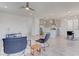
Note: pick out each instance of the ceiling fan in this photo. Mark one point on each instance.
(27, 7)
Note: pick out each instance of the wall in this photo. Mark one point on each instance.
(10, 23)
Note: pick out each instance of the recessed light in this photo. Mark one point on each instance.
(5, 6)
(69, 11)
(75, 16)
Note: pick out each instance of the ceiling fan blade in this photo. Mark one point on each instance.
(22, 7)
(31, 9)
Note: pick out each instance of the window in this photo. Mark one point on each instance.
(73, 24)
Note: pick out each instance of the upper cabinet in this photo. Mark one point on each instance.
(49, 23)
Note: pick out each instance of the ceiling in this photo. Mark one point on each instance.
(42, 9)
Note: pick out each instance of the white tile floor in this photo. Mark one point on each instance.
(63, 47)
(57, 47)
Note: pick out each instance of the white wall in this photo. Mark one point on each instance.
(10, 23)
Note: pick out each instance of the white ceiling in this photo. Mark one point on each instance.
(42, 9)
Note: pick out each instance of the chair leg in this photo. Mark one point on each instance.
(44, 48)
(24, 53)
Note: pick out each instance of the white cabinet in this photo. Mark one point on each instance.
(53, 33)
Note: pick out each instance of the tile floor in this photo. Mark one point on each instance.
(63, 47)
(57, 47)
